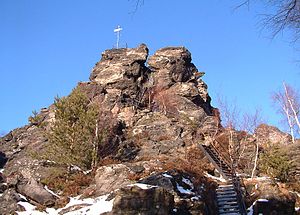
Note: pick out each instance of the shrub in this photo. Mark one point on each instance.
(276, 163)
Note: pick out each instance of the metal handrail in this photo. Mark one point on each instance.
(237, 185)
(222, 156)
(235, 178)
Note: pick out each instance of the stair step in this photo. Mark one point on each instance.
(228, 202)
(226, 188)
(233, 210)
(231, 204)
(229, 213)
(226, 199)
(229, 207)
(226, 195)
(226, 185)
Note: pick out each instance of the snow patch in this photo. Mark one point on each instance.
(97, 206)
(250, 209)
(50, 191)
(22, 197)
(167, 175)
(29, 209)
(215, 178)
(196, 198)
(188, 182)
(262, 200)
(87, 172)
(182, 190)
(93, 206)
(75, 168)
(142, 186)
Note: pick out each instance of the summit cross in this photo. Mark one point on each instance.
(118, 31)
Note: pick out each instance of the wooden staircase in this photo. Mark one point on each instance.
(229, 196)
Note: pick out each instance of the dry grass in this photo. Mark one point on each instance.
(68, 184)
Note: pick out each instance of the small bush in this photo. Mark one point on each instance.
(276, 163)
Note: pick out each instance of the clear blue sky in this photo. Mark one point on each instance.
(47, 46)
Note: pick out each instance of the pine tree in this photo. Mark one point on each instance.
(74, 134)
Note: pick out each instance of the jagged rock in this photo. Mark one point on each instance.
(171, 64)
(122, 69)
(135, 200)
(267, 134)
(9, 202)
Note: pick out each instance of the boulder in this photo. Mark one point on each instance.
(111, 177)
(271, 197)
(36, 192)
(133, 200)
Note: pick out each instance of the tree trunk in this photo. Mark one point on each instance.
(255, 160)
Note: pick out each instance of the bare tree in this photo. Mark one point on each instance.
(234, 119)
(285, 17)
(287, 101)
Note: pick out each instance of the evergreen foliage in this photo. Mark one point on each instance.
(36, 119)
(276, 163)
(74, 134)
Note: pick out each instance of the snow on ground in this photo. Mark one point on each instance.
(188, 182)
(92, 206)
(250, 209)
(262, 200)
(142, 186)
(182, 190)
(196, 198)
(50, 191)
(167, 175)
(22, 197)
(215, 178)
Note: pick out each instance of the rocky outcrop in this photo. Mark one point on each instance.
(270, 135)
(156, 111)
